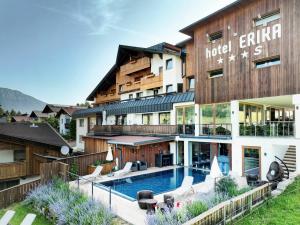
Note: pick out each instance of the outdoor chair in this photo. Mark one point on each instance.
(124, 171)
(29, 219)
(143, 195)
(94, 175)
(143, 165)
(7, 217)
(135, 166)
(185, 189)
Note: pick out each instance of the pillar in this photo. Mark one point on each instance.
(235, 129)
(186, 153)
(173, 151)
(296, 102)
(197, 119)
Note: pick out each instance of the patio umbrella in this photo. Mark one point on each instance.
(215, 171)
(109, 156)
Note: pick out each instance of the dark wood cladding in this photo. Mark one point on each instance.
(242, 80)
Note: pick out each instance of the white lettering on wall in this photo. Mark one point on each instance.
(257, 50)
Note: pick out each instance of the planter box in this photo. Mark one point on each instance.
(107, 168)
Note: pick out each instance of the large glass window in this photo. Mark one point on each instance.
(191, 83)
(121, 119)
(164, 118)
(185, 119)
(223, 114)
(200, 155)
(250, 114)
(179, 116)
(251, 159)
(215, 114)
(147, 119)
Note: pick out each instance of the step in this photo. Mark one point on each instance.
(289, 160)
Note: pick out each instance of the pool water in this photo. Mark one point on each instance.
(158, 182)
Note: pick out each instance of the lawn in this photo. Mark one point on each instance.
(285, 209)
(21, 212)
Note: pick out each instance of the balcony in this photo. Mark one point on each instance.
(136, 130)
(206, 130)
(131, 86)
(135, 65)
(269, 129)
(12, 170)
(151, 81)
(104, 98)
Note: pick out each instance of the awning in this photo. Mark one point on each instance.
(137, 140)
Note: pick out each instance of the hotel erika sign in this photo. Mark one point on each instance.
(262, 35)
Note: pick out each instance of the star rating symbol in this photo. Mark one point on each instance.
(244, 54)
(231, 57)
(220, 60)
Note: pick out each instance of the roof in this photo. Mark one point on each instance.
(124, 52)
(190, 28)
(41, 133)
(38, 114)
(50, 108)
(156, 104)
(134, 140)
(69, 110)
(20, 119)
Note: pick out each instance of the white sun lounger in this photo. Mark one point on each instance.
(7, 217)
(124, 171)
(29, 219)
(185, 189)
(94, 175)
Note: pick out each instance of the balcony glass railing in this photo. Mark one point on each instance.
(269, 129)
(215, 129)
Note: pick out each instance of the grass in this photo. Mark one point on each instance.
(21, 211)
(284, 209)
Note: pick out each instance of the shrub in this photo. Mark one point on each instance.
(173, 217)
(227, 186)
(64, 206)
(196, 208)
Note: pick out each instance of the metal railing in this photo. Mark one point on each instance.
(287, 169)
(268, 129)
(222, 129)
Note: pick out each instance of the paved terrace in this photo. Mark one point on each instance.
(123, 208)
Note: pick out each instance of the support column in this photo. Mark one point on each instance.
(235, 129)
(173, 151)
(296, 102)
(186, 153)
(197, 119)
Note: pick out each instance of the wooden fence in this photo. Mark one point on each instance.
(231, 209)
(53, 169)
(83, 161)
(16, 193)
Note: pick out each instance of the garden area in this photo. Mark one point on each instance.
(283, 209)
(226, 188)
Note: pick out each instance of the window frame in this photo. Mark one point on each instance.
(212, 37)
(81, 122)
(217, 74)
(267, 62)
(267, 18)
(168, 86)
(169, 118)
(167, 61)
(189, 83)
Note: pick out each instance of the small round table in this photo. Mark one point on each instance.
(151, 203)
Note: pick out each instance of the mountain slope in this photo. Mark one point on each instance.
(18, 101)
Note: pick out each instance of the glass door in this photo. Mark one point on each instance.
(251, 161)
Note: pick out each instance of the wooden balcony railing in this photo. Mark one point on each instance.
(135, 65)
(12, 170)
(107, 98)
(151, 81)
(136, 129)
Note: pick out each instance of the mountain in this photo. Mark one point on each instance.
(18, 101)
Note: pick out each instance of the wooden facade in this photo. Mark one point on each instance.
(95, 144)
(144, 153)
(241, 79)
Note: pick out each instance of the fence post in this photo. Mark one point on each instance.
(224, 215)
(78, 182)
(250, 202)
(231, 211)
(92, 190)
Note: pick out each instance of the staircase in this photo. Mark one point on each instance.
(289, 160)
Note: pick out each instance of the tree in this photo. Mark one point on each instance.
(2, 113)
(73, 129)
(86, 104)
(53, 122)
(12, 113)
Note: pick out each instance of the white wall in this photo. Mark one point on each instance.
(134, 119)
(111, 120)
(81, 131)
(62, 122)
(6, 156)
(174, 75)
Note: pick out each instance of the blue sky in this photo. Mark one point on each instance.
(58, 50)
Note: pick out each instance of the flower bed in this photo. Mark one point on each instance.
(65, 206)
(226, 188)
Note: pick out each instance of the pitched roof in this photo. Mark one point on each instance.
(156, 104)
(190, 28)
(41, 133)
(38, 114)
(20, 119)
(69, 110)
(53, 108)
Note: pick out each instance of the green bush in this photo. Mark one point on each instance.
(196, 208)
(227, 186)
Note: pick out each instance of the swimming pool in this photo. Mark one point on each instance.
(158, 182)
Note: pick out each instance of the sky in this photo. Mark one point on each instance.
(58, 50)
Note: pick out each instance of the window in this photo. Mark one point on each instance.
(19, 155)
(139, 95)
(169, 88)
(121, 88)
(267, 63)
(68, 121)
(137, 79)
(216, 73)
(160, 70)
(147, 119)
(121, 119)
(265, 19)
(130, 96)
(169, 64)
(215, 36)
(191, 83)
(155, 92)
(180, 88)
(81, 123)
(164, 118)
(250, 114)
